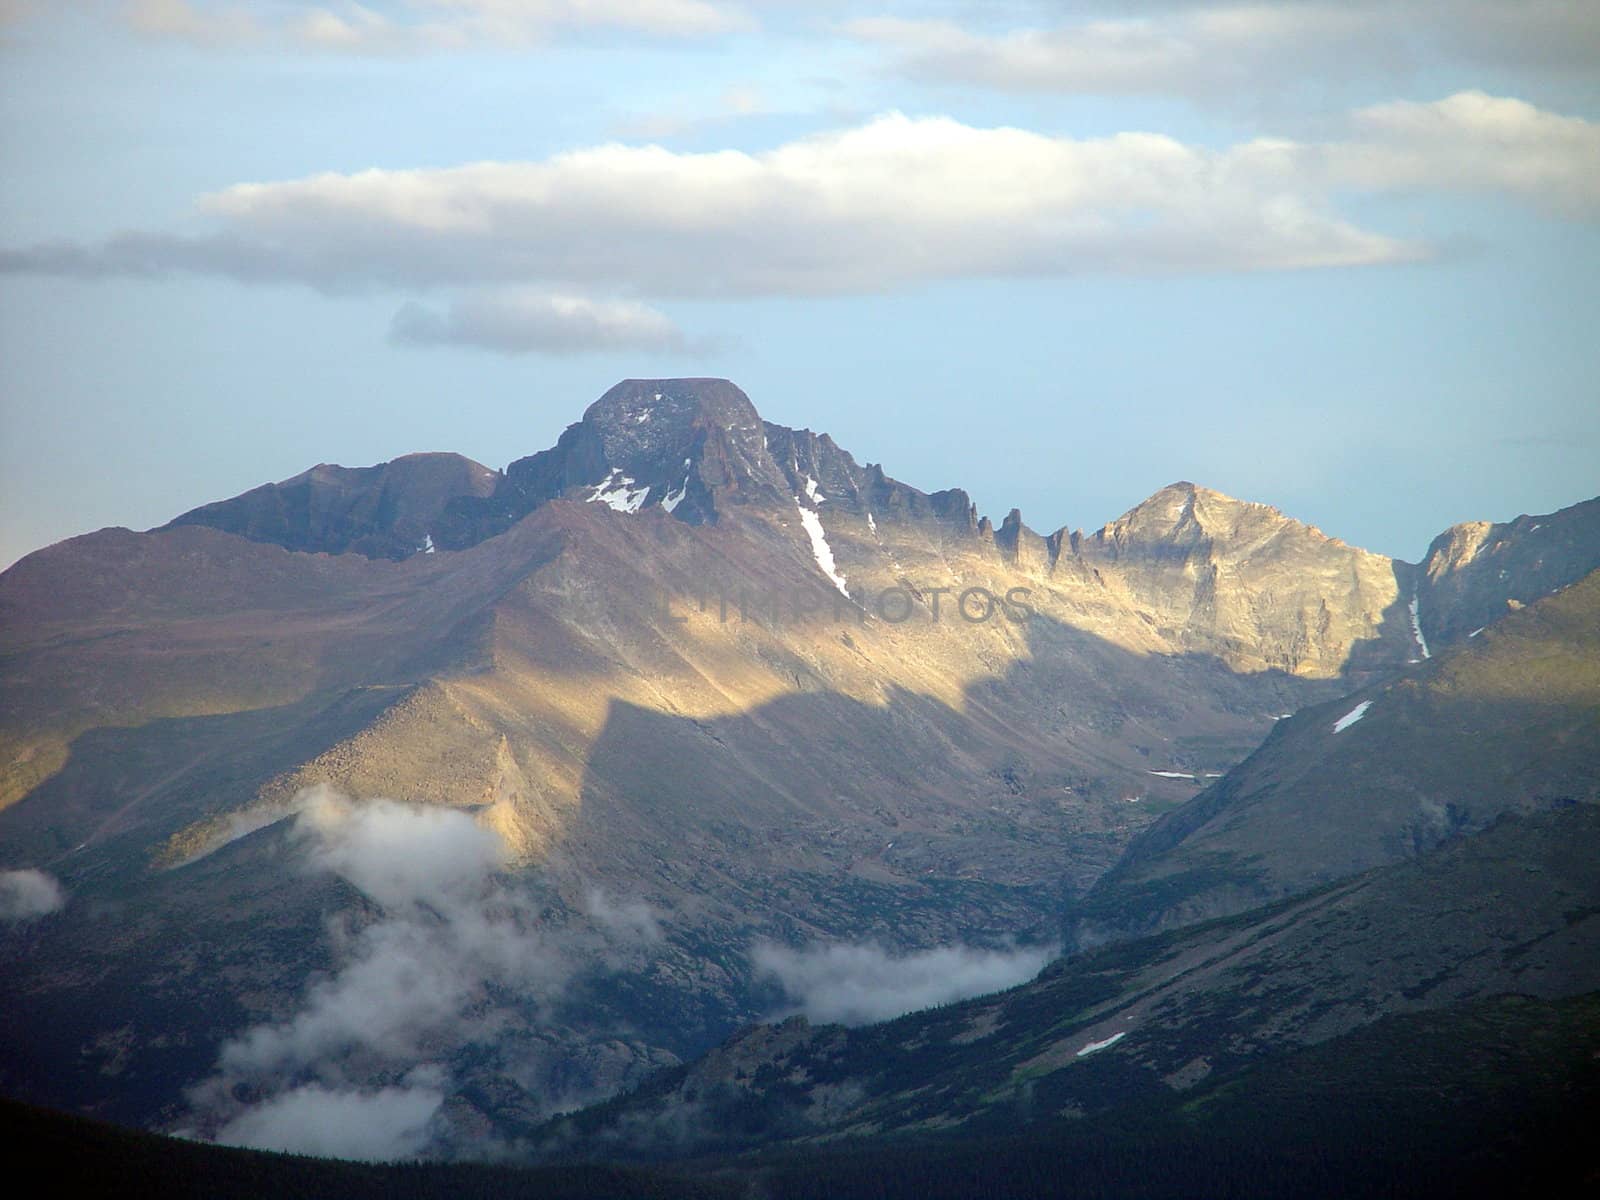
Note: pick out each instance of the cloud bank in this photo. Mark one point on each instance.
(552, 256)
(895, 202)
(856, 984)
(27, 894)
(898, 201)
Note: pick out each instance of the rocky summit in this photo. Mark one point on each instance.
(493, 792)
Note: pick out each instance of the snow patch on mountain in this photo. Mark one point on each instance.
(1351, 717)
(1110, 1041)
(820, 550)
(620, 492)
(1416, 627)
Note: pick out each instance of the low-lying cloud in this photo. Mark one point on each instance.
(377, 1126)
(28, 893)
(455, 958)
(858, 983)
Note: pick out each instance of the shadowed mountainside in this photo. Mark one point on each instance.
(1487, 1098)
(1515, 908)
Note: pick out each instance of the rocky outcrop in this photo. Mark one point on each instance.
(1476, 572)
(1241, 581)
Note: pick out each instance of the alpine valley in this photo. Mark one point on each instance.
(690, 795)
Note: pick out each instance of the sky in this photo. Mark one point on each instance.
(1337, 257)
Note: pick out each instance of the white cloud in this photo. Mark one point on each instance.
(554, 255)
(377, 1126)
(630, 919)
(454, 957)
(420, 25)
(1224, 50)
(855, 984)
(893, 203)
(896, 201)
(448, 929)
(1474, 142)
(399, 854)
(520, 321)
(27, 894)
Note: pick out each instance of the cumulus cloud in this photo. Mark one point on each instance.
(27, 894)
(855, 984)
(420, 25)
(518, 321)
(454, 958)
(1223, 50)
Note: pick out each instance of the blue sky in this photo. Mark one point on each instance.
(1339, 258)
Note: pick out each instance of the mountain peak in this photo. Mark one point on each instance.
(689, 438)
(683, 445)
(634, 403)
(1181, 511)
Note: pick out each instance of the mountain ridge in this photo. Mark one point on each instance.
(1508, 720)
(721, 723)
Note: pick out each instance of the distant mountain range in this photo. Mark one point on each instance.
(712, 693)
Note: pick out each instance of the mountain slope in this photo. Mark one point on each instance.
(704, 679)
(386, 511)
(1509, 720)
(1487, 1098)
(1242, 580)
(1474, 573)
(1515, 908)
